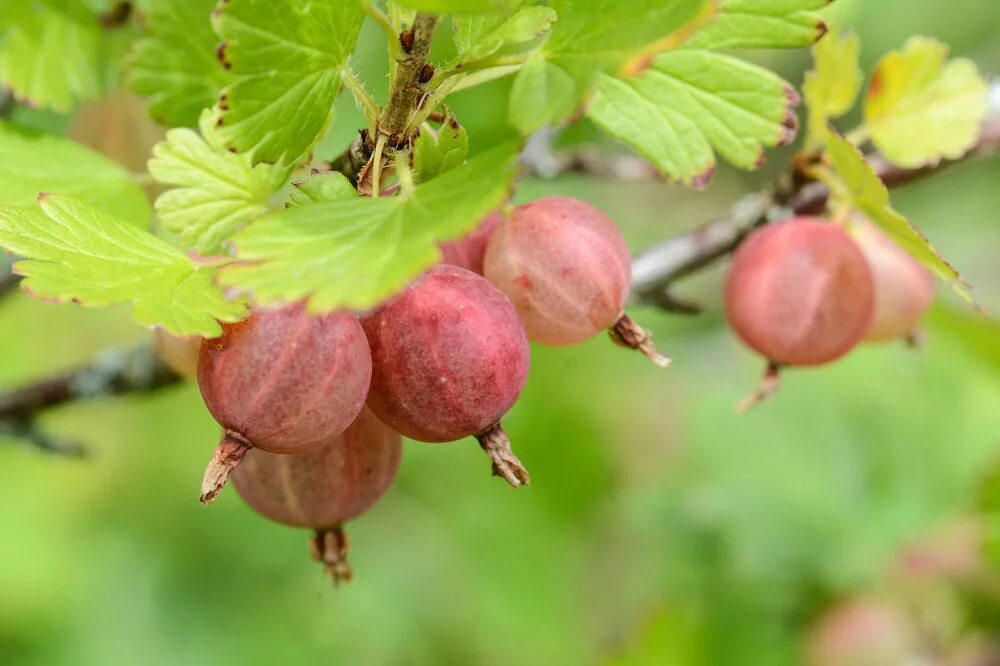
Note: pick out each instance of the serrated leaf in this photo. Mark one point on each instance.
(176, 66)
(870, 195)
(33, 162)
(757, 24)
(595, 37)
(480, 35)
(355, 253)
(831, 88)
(73, 252)
(921, 107)
(319, 187)
(434, 155)
(52, 55)
(217, 192)
(691, 101)
(451, 6)
(288, 57)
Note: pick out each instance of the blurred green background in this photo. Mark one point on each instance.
(660, 528)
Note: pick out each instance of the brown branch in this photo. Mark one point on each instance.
(658, 267)
(408, 86)
(112, 373)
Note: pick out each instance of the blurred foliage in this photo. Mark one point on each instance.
(661, 528)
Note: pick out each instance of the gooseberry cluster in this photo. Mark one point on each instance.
(313, 407)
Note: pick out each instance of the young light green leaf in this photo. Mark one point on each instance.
(355, 253)
(831, 88)
(921, 107)
(595, 37)
(480, 35)
(73, 252)
(866, 192)
(52, 54)
(451, 6)
(690, 101)
(216, 192)
(757, 24)
(288, 57)
(176, 66)
(320, 187)
(34, 162)
(433, 155)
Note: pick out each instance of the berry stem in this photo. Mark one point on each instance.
(505, 463)
(628, 333)
(329, 548)
(770, 382)
(228, 455)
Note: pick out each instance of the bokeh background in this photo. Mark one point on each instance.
(661, 528)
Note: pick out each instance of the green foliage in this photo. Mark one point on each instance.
(33, 162)
(74, 252)
(288, 58)
(217, 192)
(319, 187)
(453, 6)
(433, 154)
(53, 53)
(354, 253)
(479, 36)
(594, 37)
(921, 107)
(176, 64)
(693, 100)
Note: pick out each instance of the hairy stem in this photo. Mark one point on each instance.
(406, 87)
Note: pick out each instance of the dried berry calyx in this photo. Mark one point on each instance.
(567, 269)
(800, 293)
(325, 487)
(283, 381)
(450, 357)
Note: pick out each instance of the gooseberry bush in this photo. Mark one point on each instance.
(334, 289)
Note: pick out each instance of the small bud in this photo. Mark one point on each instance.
(426, 73)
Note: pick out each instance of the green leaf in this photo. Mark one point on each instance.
(176, 66)
(451, 6)
(690, 101)
(922, 107)
(73, 252)
(217, 192)
(481, 35)
(288, 57)
(865, 191)
(319, 187)
(52, 55)
(433, 155)
(34, 162)
(756, 24)
(355, 253)
(832, 87)
(594, 37)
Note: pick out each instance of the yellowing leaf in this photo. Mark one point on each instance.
(921, 107)
(73, 252)
(866, 192)
(831, 88)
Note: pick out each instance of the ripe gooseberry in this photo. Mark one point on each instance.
(904, 288)
(861, 632)
(282, 380)
(324, 487)
(567, 269)
(469, 251)
(449, 359)
(800, 293)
